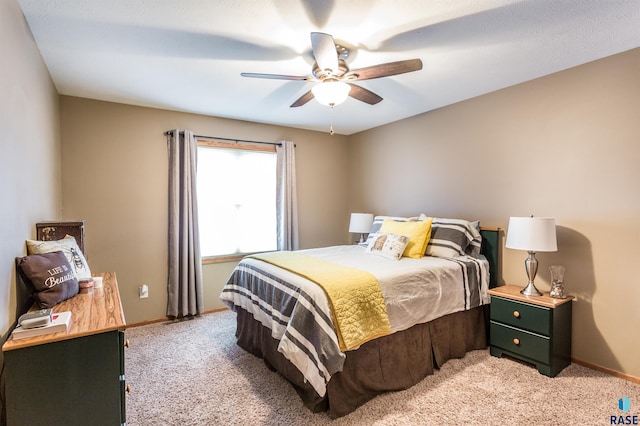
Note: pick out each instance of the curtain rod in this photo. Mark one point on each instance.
(168, 132)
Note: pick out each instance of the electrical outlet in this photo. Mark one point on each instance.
(143, 291)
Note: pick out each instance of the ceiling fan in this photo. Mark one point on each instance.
(334, 77)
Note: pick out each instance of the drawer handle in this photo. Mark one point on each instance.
(516, 341)
(516, 314)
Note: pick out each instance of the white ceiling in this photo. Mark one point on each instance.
(187, 55)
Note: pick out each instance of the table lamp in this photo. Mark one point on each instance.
(360, 223)
(532, 234)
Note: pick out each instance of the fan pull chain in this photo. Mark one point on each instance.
(331, 132)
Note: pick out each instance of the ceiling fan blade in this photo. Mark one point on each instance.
(275, 76)
(364, 95)
(390, 68)
(324, 50)
(302, 99)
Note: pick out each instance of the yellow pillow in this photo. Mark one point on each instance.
(418, 232)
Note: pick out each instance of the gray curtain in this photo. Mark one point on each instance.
(286, 198)
(185, 289)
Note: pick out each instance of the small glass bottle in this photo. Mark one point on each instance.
(557, 278)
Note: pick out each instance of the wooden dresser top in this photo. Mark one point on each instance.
(97, 311)
(513, 292)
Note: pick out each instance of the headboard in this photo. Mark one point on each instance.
(490, 250)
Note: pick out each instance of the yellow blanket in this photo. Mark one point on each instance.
(358, 307)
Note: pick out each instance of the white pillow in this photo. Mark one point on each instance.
(389, 246)
(69, 247)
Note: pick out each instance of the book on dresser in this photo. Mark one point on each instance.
(59, 322)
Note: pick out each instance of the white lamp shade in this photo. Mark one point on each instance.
(331, 92)
(532, 234)
(360, 223)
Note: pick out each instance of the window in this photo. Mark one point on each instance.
(236, 199)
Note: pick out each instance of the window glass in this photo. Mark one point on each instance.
(236, 200)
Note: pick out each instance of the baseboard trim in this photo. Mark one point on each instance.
(167, 319)
(609, 371)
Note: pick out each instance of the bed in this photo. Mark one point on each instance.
(287, 319)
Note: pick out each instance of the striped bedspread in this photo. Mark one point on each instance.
(299, 316)
(356, 300)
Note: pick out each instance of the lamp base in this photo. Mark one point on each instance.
(530, 290)
(531, 265)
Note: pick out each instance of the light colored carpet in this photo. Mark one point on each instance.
(193, 373)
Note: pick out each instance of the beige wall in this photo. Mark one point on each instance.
(114, 176)
(30, 187)
(564, 146)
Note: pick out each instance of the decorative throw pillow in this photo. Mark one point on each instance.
(70, 249)
(418, 232)
(51, 277)
(453, 238)
(389, 246)
(377, 223)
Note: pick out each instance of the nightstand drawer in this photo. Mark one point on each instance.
(521, 342)
(527, 316)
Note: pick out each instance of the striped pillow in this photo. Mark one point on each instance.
(453, 238)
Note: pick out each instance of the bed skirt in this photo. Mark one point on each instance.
(390, 363)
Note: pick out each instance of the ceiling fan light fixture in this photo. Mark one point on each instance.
(331, 93)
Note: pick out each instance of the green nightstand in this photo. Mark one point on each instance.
(534, 329)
